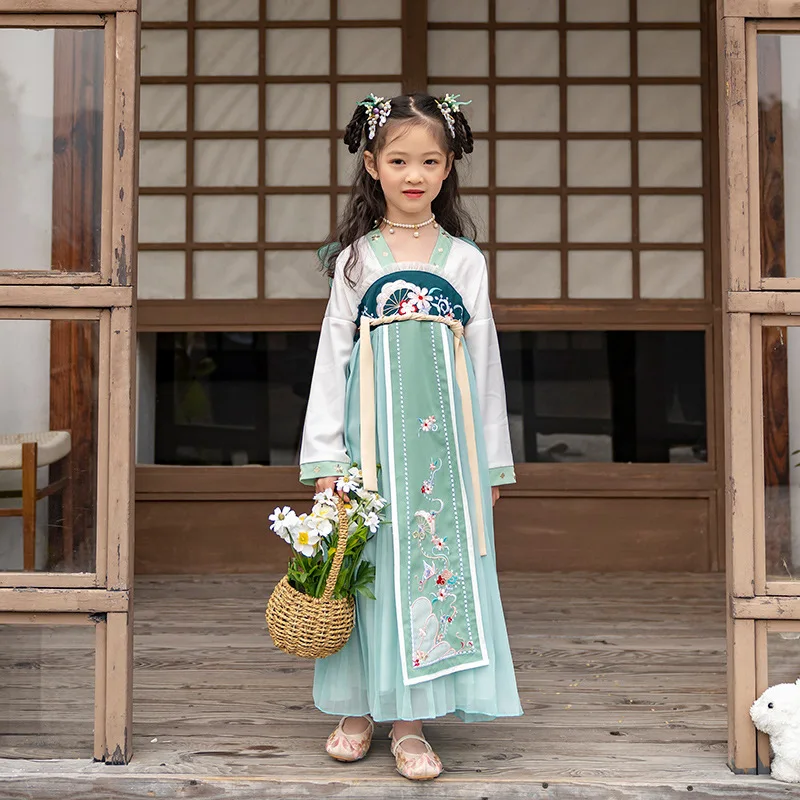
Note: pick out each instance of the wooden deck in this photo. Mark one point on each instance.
(618, 704)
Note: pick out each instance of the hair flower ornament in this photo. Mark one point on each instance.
(378, 110)
(449, 105)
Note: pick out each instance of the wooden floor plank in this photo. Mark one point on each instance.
(617, 705)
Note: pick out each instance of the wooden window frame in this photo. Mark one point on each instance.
(755, 606)
(102, 597)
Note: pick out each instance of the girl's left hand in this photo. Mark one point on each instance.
(495, 494)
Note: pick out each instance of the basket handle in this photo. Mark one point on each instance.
(341, 546)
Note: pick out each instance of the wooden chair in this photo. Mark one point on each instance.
(27, 452)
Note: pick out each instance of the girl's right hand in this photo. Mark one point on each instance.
(321, 484)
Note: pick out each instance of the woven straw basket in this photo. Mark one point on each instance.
(312, 627)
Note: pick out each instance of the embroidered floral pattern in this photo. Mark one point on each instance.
(428, 425)
(433, 612)
(403, 297)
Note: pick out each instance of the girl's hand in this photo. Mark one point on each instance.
(321, 484)
(495, 494)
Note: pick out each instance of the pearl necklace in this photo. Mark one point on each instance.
(415, 225)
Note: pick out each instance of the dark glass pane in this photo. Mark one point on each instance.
(589, 396)
(232, 398)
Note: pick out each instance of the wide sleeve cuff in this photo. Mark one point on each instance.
(321, 469)
(501, 475)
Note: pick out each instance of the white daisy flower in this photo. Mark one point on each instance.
(283, 520)
(372, 521)
(325, 496)
(346, 484)
(305, 537)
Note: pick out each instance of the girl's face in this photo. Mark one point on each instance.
(411, 167)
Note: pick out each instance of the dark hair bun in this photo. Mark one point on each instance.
(354, 131)
(462, 135)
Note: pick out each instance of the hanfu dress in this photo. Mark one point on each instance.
(408, 384)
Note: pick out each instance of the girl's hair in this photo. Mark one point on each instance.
(367, 204)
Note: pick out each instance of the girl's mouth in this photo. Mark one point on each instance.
(413, 193)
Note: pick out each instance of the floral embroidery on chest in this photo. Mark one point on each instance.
(401, 297)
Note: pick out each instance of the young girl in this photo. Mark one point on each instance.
(408, 385)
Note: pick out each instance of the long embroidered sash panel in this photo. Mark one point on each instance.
(367, 404)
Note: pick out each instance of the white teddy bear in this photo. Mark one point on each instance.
(777, 713)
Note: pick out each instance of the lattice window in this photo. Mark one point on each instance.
(242, 104)
(591, 173)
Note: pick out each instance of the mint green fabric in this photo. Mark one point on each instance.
(321, 469)
(367, 675)
(498, 476)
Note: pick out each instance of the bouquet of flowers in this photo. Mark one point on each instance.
(311, 611)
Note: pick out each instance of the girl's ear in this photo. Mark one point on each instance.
(450, 158)
(369, 164)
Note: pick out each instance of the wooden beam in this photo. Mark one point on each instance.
(765, 607)
(66, 296)
(760, 8)
(119, 689)
(763, 303)
(52, 21)
(48, 580)
(67, 6)
(91, 601)
(741, 695)
(415, 46)
(47, 619)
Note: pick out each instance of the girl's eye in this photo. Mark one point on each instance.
(431, 161)
(396, 161)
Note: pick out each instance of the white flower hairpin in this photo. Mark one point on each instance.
(449, 105)
(378, 110)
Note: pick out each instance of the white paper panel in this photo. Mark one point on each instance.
(671, 274)
(477, 112)
(458, 53)
(352, 93)
(528, 273)
(670, 163)
(598, 10)
(226, 107)
(600, 274)
(225, 218)
(298, 52)
(533, 163)
(294, 273)
(670, 108)
(162, 108)
(477, 206)
(164, 10)
(292, 9)
(227, 10)
(672, 11)
(527, 54)
(298, 106)
(231, 51)
(473, 170)
(526, 10)
(163, 52)
(528, 218)
(298, 162)
(369, 9)
(599, 108)
(599, 218)
(298, 217)
(162, 163)
(595, 54)
(527, 108)
(669, 53)
(231, 275)
(341, 202)
(671, 218)
(162, 218)
(463, 11)
(369, 51)
(596, 162)
(226, 162)
(161, 275)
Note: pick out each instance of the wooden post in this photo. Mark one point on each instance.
(30, 452)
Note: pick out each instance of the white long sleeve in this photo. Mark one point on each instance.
(322, 452)
(481, 336)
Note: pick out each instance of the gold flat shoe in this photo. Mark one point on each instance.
(415, 766)
(349, 746)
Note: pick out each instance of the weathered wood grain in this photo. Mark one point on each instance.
(617, 704)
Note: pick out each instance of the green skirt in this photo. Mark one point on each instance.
(434, 640)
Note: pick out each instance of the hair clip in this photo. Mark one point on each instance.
(378, 110)
(449, 105)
